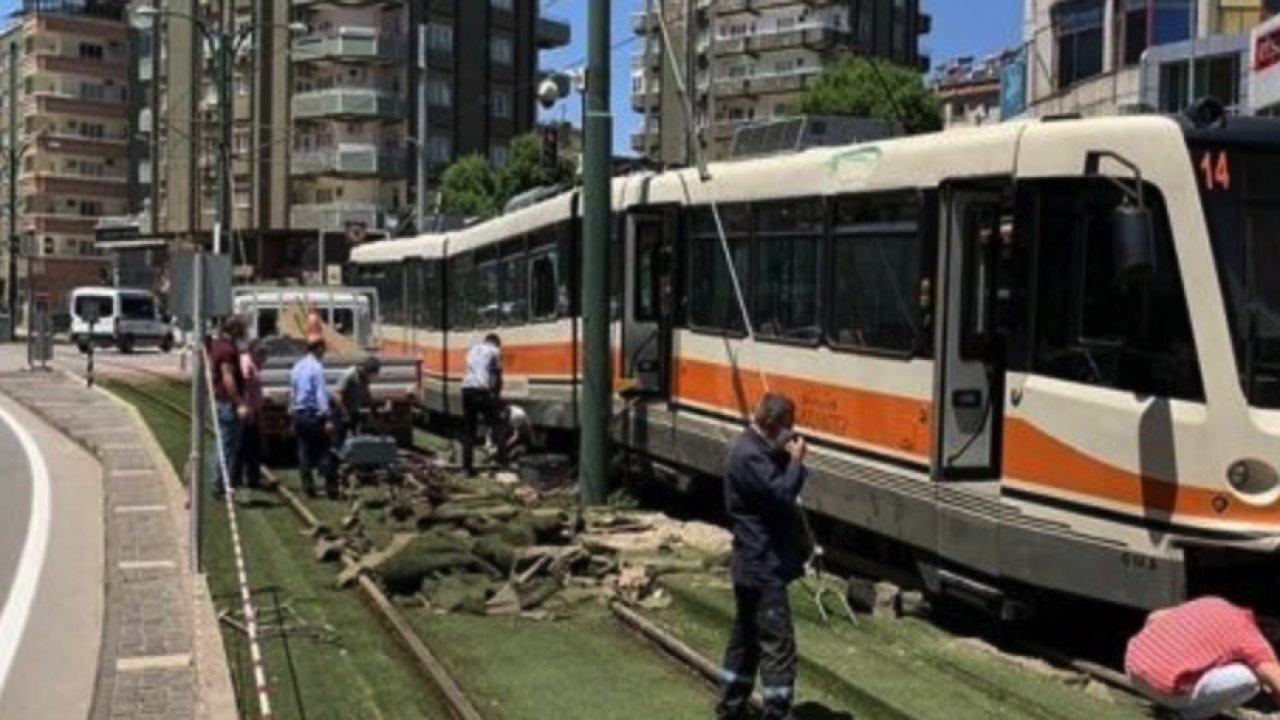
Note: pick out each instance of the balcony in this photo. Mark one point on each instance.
(351, 102)
(347, 3)
(552, 33)
(104, 147)
(766, 83)
(648, 97)
(64, 65)
(59, 104)
(46, 183)
(59, 223)
(348, 159)
(642, 24)
(364, 44)
(335, 216)
(644, 142)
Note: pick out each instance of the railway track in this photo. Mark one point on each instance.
(662, 642)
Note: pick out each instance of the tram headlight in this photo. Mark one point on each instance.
(1254, 482)
(1238, 475)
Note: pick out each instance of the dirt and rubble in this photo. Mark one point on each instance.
(494, 546)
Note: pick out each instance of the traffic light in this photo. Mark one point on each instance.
(550, 146)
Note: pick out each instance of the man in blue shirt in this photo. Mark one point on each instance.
(312, 421)
(763, 479)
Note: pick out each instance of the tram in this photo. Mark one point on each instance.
(1039, 356)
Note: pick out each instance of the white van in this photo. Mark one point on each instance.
(124, 319)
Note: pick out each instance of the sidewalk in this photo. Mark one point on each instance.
(162, 654)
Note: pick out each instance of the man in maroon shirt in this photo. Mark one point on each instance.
(229, 399)
(1202, 658)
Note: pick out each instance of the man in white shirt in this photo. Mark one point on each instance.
(481, 388)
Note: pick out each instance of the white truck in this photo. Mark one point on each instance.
(118, 317)
(272, 316)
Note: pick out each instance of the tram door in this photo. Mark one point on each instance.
(648, 295)
(977, 232)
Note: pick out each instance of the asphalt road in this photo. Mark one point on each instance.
(51, 570)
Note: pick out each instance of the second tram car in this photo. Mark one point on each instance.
(1042, 355)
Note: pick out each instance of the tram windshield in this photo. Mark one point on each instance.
(1239, 185)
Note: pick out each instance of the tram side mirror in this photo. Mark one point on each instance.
(1135, 247)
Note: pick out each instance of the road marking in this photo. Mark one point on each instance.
(147, 565)
(152, 662)
(135, 509)
(13, 618)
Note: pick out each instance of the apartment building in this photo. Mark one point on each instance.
(1097, 57)
(748, 61)
(71, 66)
(325, 104)
(969, 88)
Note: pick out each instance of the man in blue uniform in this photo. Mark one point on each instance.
(763, 478)
(312, 419)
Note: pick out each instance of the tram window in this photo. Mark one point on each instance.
(428, 299)
(515, 288)
(544, 284)
(484, 295)
(1090, 329)
(460, 276)
(648, 248)
(391, 293)
(876, 275)
(787, 281)
(714, 307)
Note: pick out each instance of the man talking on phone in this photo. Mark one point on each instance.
(763, 478)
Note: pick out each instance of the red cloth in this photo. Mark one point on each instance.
(1178, 646)
(224, 354)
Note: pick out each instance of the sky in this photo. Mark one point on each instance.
(960, 27)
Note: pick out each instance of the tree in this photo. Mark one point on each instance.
(469, 188)
(472, 188)
(854, 88)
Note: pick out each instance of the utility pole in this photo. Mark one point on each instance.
(11, 289)
(423, 128)
(195, 460)
(597, 403)
(225, 107)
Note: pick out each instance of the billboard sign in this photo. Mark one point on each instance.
(1013, 84)
(1264, 65)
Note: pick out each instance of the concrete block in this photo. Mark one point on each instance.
(878, 598)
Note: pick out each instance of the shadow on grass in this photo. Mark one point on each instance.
(815, 711)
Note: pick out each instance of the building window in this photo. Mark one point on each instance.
(1141, 24)
(440, 93)
(498, 156)
(501, 51)
(90, 51)
(501, 104)
(1079, 38)
(1233, 19)
(440, 37)
(439, 150)
(49, 246)
(1217, 77)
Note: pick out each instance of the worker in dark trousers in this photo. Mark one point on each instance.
(481, 390)
(763, 479)
(312, 419)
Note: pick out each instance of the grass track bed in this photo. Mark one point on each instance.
(367, 676)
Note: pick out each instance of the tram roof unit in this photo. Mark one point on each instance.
(426, 247)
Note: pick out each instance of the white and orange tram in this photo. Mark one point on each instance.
(1041, 355)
